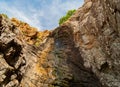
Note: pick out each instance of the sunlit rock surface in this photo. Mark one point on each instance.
(83, 52)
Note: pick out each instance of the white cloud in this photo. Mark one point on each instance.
(56, 9)
(14, 12)
(46, 17)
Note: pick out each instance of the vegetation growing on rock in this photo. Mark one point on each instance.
(84, 52)
(66, 17)
(4, 15)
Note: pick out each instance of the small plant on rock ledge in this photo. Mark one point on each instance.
(66, 17)
(4, 15)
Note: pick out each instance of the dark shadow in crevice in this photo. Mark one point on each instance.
(7, 79)
(82, 76)
(14, 54)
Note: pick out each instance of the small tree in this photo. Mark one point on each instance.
(66, 17)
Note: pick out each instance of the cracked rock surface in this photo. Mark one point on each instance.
(82, 52)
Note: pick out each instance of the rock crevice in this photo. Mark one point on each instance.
(82, 52)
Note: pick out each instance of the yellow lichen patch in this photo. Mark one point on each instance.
(41, 37)
(31, 35)
(24, 27)
(42, 67)
(40, 70)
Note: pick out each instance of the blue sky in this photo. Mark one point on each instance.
(42, 14)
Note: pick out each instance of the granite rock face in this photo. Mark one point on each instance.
(82, 52)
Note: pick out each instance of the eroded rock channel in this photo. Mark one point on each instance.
(82, 52)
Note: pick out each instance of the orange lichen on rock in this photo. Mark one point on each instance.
(24, 27)
(31, 34)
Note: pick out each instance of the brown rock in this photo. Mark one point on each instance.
(83, 52)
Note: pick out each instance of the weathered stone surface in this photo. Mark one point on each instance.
(97, 36)
(15, 55)
(30, 34)
(83, 52)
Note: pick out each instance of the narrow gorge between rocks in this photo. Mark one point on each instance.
(82, 52)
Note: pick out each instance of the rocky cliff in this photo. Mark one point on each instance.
(82, 52)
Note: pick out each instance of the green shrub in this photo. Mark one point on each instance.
(66, 17)
(4, 15)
